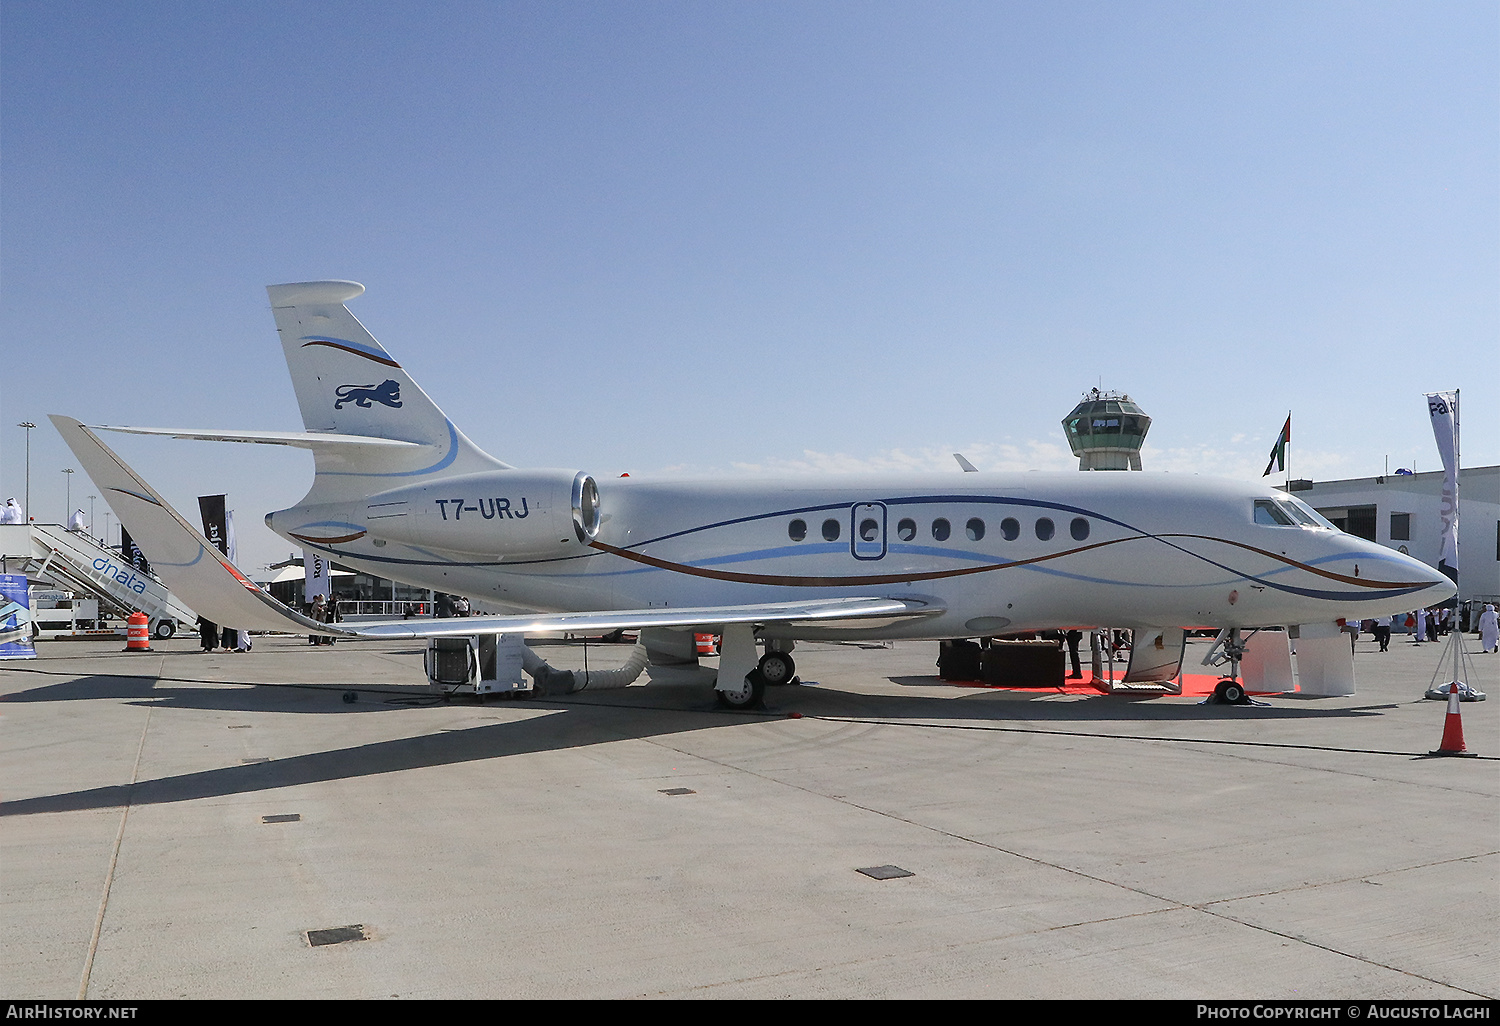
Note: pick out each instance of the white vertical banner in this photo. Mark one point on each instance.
(1442, 407)
(317, 576)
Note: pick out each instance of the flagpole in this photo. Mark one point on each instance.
(1289, 452)
(1454, 634)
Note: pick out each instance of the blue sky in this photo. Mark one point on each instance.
(735, 238)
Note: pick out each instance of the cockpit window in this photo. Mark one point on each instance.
(1306, 514)
(1268, 512)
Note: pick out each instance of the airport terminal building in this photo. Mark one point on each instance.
(1402, 511)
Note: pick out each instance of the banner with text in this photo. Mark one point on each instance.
(1442, 407)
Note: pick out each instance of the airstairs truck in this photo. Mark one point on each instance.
(88, 584)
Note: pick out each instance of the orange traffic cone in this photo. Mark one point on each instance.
(1453, 729)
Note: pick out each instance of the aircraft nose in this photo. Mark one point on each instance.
(1438, 588)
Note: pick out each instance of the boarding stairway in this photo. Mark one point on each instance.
(75, 562)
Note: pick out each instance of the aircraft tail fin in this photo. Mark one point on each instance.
(347, 384)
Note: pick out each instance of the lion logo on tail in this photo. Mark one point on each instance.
(387, 393)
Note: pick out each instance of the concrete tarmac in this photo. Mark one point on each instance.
(174, 824)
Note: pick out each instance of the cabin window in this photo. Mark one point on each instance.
(1010, 527)
(830, 530)
(940, 529)
(1079, 528)
(796, 530)
(869, 530)
(974, 529)
(1272, 515)
(1045, 529)
(906, 530)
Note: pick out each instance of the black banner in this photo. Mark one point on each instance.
(214, 527)
(132, 552)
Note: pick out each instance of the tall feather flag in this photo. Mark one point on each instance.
(1278, 451)
(1442, 407)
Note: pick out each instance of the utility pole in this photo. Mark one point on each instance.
(28, 425)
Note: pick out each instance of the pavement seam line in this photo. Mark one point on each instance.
(114, 859)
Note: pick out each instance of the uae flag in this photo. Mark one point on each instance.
(1278, 451)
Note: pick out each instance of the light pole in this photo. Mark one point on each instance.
(107, 515)
(91, 516)
(28, 425)
(68, 505)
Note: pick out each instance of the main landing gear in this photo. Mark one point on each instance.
(774, 668)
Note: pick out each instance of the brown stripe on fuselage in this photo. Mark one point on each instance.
(836, 582)
(1362, 582)
(933, 575)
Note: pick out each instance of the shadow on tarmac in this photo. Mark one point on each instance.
(577, 721)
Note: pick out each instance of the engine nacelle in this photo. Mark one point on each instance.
(497, 513)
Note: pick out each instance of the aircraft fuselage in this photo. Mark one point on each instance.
(997, 552)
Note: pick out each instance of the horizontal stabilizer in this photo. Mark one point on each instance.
(297, 439)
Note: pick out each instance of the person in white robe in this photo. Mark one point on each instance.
(1489, 628)
(12, 513)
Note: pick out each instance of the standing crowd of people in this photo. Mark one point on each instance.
(1430, 625)
(323, 611)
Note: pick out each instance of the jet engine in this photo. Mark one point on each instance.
(510, 513)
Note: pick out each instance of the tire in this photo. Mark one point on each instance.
(748, 697)
(165, 629)
(1230, 691)
(776, 668)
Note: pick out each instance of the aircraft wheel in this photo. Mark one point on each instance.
(747, 697)
(776, 668)
(165, 629)
(1230, 691)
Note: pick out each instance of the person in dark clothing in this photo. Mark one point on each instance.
(208, 634)
(1074, 637)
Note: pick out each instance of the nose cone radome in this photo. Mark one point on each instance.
(1434, 586)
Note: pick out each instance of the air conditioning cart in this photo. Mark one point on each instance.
(477, 664)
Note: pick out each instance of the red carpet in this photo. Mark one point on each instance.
(1195, 685)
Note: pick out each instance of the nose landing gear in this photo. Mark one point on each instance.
(1229, 690)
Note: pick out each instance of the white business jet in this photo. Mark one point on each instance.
(400, 492)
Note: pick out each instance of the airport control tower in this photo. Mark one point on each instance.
(1106, 431)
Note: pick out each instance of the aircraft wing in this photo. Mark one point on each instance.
(201, 576)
